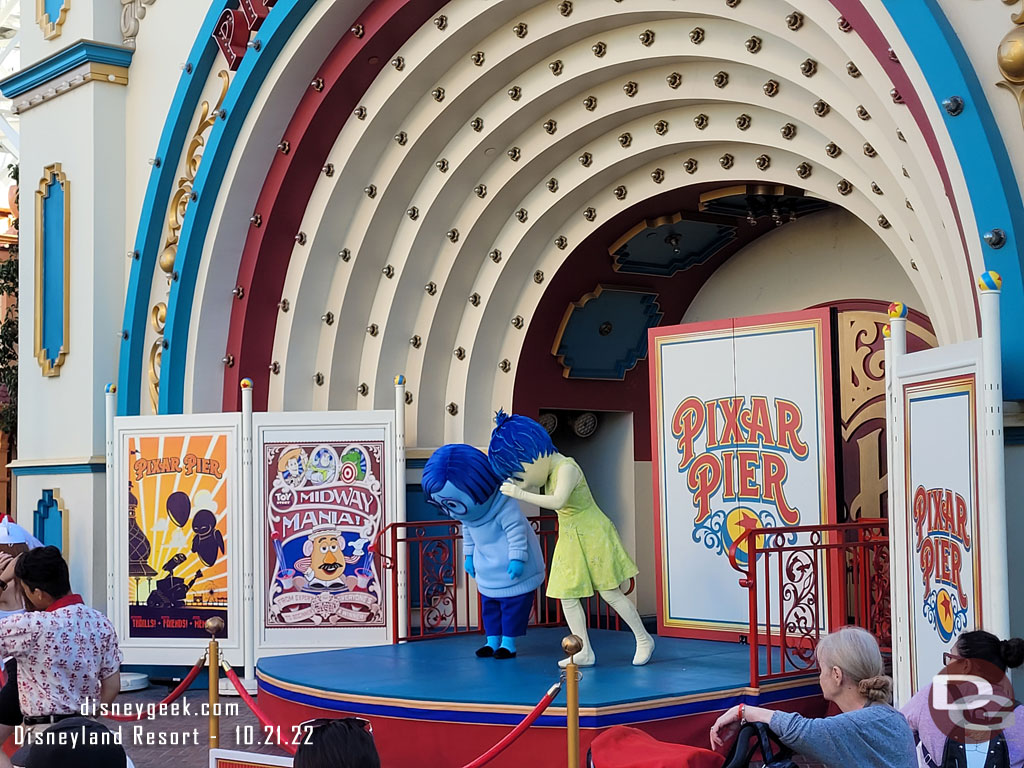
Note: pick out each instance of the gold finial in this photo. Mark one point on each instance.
(572, 645)
(215, 626)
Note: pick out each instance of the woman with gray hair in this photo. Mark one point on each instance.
(868, 733)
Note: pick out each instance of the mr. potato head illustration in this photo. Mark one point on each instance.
(325, 549)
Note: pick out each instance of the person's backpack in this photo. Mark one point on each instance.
(623, 747)
(756, 738)
(955, 756)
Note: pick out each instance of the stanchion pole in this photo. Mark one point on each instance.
(249, 537)
(572, 645)
(402, 555)
(111, 536)
(993, 495)
(214, 626)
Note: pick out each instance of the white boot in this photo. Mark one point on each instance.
(577, 621)
(627, 611)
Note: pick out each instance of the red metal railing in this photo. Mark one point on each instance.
(805, 581)
(441, 600)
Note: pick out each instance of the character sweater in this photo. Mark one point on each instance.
(503, 534)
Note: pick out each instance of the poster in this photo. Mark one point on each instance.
(943, 556)
(177, 533)
(324, 506)
(743, 439)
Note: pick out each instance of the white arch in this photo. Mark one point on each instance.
(378, 232)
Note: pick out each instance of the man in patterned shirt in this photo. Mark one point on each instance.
(67, 653)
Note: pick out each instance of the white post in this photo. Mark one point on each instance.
(250, 537)
(402, 555)
(112, 535)
(996, 613)
(899, 529)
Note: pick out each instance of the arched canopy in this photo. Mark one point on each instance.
(381, 200)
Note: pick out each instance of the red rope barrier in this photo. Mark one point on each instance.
(265, 721)
(182, 687)
(516, 732)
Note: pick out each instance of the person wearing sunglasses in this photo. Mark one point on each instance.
(868, 733)
(1000, 744)
(345, 742)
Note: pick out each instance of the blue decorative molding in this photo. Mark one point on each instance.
(52, 269)
(48, 520)
(62, 62)
(984, 160)
(58, 469)
(50, 16)
(604, 334)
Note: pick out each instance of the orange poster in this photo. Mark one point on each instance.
(177, 533)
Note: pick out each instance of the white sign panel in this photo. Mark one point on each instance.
(324, 489)
(743, 439)
(942, 543)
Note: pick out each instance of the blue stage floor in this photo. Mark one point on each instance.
(446, 670)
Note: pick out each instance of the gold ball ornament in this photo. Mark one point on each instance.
(572, 645)
(1010, 55)
(167, 257)
(215, 626)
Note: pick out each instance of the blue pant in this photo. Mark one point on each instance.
(507, 616)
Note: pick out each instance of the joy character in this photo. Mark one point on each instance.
(207, 542)
(326, 561)
(589, 556)
(502, 551)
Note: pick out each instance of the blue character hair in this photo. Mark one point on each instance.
(515, 441)
(465, 466)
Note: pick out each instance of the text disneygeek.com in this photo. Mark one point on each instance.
(153, 710)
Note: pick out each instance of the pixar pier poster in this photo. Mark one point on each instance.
(743, 440)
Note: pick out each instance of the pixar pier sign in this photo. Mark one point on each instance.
(742, 440)
(744, 456)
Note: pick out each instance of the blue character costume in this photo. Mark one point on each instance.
(589, 556)
(501, 548)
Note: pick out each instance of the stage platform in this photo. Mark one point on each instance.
(433, 703)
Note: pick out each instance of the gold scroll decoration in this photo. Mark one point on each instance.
(862, 401)
(175, 220)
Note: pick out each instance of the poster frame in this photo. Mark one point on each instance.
(941, 367)
(315, 426)
(178, 651)
(821, 319)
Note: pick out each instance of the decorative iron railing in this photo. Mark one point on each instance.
(805, 581)
(442, 601)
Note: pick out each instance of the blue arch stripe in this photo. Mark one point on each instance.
(158, 194)
(275, 32)
(991, 184)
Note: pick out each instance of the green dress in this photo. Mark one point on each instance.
(589, 555)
